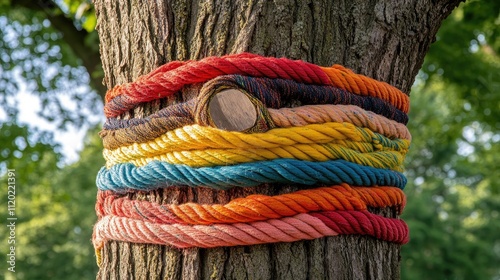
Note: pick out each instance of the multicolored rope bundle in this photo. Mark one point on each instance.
(344, 144)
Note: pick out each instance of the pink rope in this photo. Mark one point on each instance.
(288, 229)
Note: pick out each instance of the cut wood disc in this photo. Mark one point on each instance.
(232, 110)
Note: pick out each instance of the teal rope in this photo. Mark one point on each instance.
(156, 174)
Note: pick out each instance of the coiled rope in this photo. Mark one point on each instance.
(172, 77)
(117, 132)
(125, 176)
(347, 141)
(268, 93)
(200, 138)
(289, 229)
(254, 207)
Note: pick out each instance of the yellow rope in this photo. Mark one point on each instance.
(98, 256)
(386, 158)
(196, 137)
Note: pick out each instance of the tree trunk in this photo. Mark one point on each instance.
(386, 40)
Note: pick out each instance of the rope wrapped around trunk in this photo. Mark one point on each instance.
(344, 145)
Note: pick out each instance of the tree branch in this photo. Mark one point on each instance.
(72, 36)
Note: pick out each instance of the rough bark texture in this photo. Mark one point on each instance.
(386, 40)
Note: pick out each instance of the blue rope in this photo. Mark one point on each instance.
(157, 174)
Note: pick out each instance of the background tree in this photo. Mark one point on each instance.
(54, 207)
(454, 201)
(51, 50)
(381, 39)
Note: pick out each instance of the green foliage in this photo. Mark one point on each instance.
(466, 54)
(24, 148)
(46, 52)
(452, 206)
(82, 11)
(454, 198)
(42, 54)
(55, 213)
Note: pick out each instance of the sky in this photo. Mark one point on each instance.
(71, 140)
(29, 105)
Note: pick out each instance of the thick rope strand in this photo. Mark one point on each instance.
(196, 137)
(384, 158)
(300, 227)
(288, 229)
(118, 133)
(124, 177)
(319, 114)
(254, 207)
(170, 79)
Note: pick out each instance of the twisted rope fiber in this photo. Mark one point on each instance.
(171, 78)
(125, 176)
(196, 137)
(318, 114)
(116, 133)
(273, 93)
(388, 159)
(254, 207)
(288, 229)
(257, 219)
(279, 93)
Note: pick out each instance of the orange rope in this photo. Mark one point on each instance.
(254, 207)
(170, 78)
(346, 79)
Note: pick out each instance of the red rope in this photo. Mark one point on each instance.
(288, 229)
(172, 77)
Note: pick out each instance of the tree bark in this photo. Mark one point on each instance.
(386, 40)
